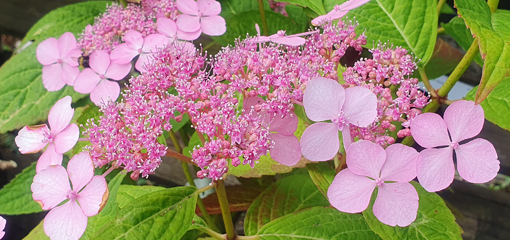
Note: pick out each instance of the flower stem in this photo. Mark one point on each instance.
(174, 154)
(225, 210)
(426, 82)
(175, 141)
(263, 17)
(212, 233)
(440, 6)
(440, 30)
(493, 4)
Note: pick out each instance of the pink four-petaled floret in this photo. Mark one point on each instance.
(136, 45)
(200, 16)
(339, 11)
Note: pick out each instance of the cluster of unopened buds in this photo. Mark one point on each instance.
(242, 105)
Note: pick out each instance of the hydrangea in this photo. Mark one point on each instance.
(200, 16)
(338, 11)
(136, 45)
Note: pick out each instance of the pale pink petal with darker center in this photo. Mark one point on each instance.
(91, 197)
(80, 170)
(123, 54)
(213, 25)
(286, 149)
(86, 81)
(209, 7)
(66, 43)
(188, 23)
(400, 164)
(104, 92)
(396, 204)
(30, 138)
(52, 77)
(429, 130)
(99, 61)
(360, 106)
(464, 120)
(365, 158)
(350, 192)
(66, 222)
(69, 74)
(435, 169)
(118, 71)
(50, 186)
(134, 39)
(60, 115)
(320, 142)
(48, 158)
(72, 57)
(323, 99)
(65, 140)
(187, 6)
(477, 161)
(47, 51)
(284, 124)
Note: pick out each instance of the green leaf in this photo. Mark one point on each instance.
(318, 223)
(315, 5)
(434, 220)
(446, 9)
(493, 33)
(109, 211)
(230, 8)
(37, 233)
(444, 59)
(497, 105)
(242, 23)
(24, 100)
(198, 223)
(285, 196)
(90, 112)
(178, 125)
(298, 15)
(128, 193)
(409, 24)
(164, 214)
(16, 196)
(322, 174)
(457, 29)
(266, 165)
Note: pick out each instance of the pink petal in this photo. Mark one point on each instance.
(188, 35)
(332, 15)
(349, 192)
(209, 7)
(99, 61)
(396, 204)
(48, 158)
(167, 27)
(66, 222)
(72, 57)
(188, 23)
(187, 6)
(66, 43)
(286, 149)
(80, 170)
(66, 139)
(435, 168)
(123, 54)
(261, 39)
(91, 197)
(400, 164)
(477, 161)
(346, 136)
(47, 51)
(352, 4)
(323, 99)
(104, 92)
(118, 71)
(153, 42)
(133, 39)
(289, 41)
(285, 125)
(50, 186)
(52, 77)
(30, 138)
(2, 227)
(365, 158)
(250, 103)
(143, 60)
(360, 106)
(69, 73)
(213, 26)
(60, 115)
(464, 120)
(86, 81)
(429, 130)
(320, 142)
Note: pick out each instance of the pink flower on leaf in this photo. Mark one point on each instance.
(86, 197)
(200, 16)
(477, 160)
(325, 99)
(95, 80)
(137, 45)
(60, 60)
(60, 139)
(370, 166)
(339, 11)
(286, 149)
